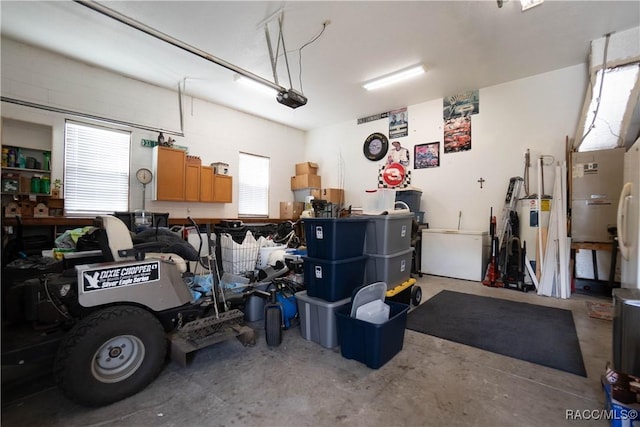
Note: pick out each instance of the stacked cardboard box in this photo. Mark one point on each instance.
(332, 195)
(291, 210)
(306, 176)
(307, 168)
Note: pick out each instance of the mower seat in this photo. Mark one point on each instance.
(117, 244)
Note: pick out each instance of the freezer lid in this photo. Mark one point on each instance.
(627, 296)
(452, 231)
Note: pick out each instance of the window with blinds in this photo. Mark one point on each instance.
(253, 177)
(96, 170)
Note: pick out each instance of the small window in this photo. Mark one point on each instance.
(253, 176)
(96, 170)
(609, 103)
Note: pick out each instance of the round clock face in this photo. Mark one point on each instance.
(375, 146)
(144, 175)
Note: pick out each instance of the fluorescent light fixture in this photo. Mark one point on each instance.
(395, 77)
(255, 85)
(528, 4)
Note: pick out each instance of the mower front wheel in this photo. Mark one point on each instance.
(109, 355)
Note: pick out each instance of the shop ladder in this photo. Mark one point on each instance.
(510, 204)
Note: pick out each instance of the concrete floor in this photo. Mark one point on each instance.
(431, 382)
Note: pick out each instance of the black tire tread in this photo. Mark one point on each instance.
(80, 331)
(273, 326)
(416, 295)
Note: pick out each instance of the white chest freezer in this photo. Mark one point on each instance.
(455, 253)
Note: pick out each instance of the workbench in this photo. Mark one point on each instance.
(48, 228)
(66, 222)
(594, 247)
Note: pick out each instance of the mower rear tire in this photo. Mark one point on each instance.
(110, 355)
(273, 326)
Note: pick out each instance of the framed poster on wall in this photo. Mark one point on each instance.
(426, 155)
(457, 134)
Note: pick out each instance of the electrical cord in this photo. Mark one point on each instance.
(324, 26)
(284, 52)
(527, 164)
(604, 68)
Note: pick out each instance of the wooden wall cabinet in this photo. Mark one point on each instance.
(206, 184)
(178, 180)
(192, 183)
(169, 173)
(222, 188)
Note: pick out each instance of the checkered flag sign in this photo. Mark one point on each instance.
(393, 175)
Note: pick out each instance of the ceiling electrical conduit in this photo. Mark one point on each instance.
(175, 42)
(94, 117)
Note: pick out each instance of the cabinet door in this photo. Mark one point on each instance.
(170, 173)
(222, 188)
(192, 183)
(206, 184)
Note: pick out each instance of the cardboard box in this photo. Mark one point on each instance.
(305, 181)
(25, 184)
(307, 168)
(221, 168)
(56, 207)
(332, 195)
(291, 210)
(301, 194)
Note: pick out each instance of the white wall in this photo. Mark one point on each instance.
(212, 132)
(535, 113)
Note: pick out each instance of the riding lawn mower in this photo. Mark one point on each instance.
(108, 325)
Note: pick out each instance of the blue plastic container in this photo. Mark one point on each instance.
(411, 198)
(333, 280)
(335, 238)
(370, 343)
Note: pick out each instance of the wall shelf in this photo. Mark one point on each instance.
(35, 171)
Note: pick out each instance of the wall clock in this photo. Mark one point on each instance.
(375, 146)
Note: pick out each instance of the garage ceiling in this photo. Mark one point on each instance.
(464, 45)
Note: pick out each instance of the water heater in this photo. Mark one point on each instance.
(531, 217)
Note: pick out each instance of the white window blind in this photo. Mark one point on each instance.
(96, 170)
(253, 176)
